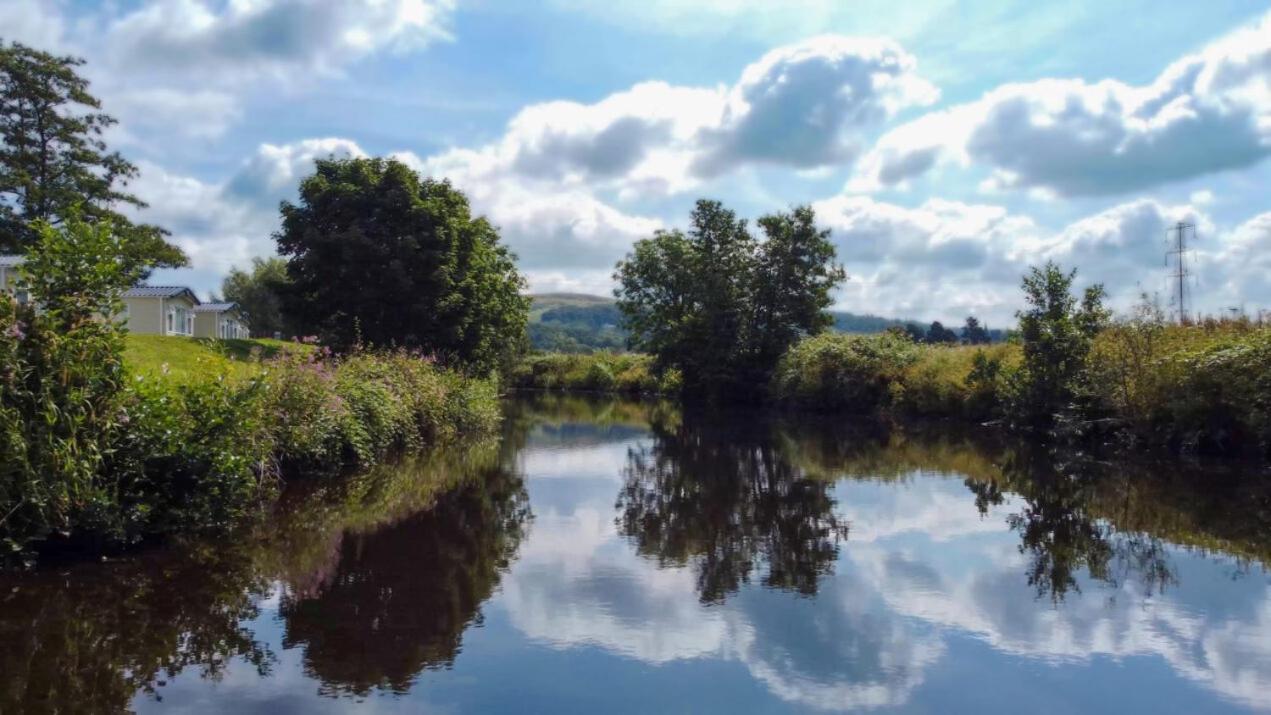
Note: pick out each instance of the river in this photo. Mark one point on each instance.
(616, 556)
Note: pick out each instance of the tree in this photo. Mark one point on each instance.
(937, 333)
(1056, 332)
(259, 294)
(973, 333)
(378, 255)
(721, 306)
(796, 273)
(55, 164)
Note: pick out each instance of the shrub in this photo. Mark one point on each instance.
(955, 381)
(194, 456)
(1200, 387)
(1056, 334)
(854, 373)
(61, 374)
(626, 373)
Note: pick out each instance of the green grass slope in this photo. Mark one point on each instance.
(192, 358)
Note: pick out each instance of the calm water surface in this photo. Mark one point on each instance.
(611, 557)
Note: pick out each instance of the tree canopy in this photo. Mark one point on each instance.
(54, 164)
(378, 255)
(259, 294)
(973, 333)
(721, 306)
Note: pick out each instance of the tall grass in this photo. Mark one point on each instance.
(1204, 387)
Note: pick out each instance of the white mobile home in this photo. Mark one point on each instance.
(160, 310)
(220, 320)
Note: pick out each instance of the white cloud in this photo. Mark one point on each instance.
(186, 67)
(1206, 112)
(37, 23)
(225, 224)
(1233, 267)
(803, 105)
(245, 39)
(163, 108)
(276, 170)
(947, 259)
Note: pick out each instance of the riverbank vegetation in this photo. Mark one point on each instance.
(99, 453)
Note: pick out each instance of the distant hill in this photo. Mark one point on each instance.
(575, 323)
(579, 322)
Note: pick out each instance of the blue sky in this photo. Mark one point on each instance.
(946, 145)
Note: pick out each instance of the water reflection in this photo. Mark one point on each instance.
(688, 562)
(90, 637)
(720, 495)
(399, 599)
(379, 576)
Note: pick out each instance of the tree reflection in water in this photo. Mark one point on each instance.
(89, 638)
(731, 495)
(380, 576)
(719, 494)
(399, 599)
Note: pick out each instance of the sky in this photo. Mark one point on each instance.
(947, 145)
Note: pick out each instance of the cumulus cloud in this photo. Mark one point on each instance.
(185, 67)
(948, 259)
(248, 38)
(1206, 112)
(32, 22)
(225, 224)
(803, 106)
(1233, 269)
(275, 171)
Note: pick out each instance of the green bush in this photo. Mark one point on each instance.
(1200, 387)
(193, 456)
(625, 373)
(854, 373)
(61, 376)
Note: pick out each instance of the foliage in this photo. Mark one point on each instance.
(720, 306)
(100, 457)
(1056, 333)
(855, 373)
(937, 333)
(259, 294)
(54, 164)
(61, 377)
(955, 381)
(975, 334)
(1202, 387)
(379, 256)
(626, 373)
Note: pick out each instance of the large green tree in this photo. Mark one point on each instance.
(722, 306)
(54, 163)
(259, 293)
(377, 254)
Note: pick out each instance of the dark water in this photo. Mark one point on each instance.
(608, 557)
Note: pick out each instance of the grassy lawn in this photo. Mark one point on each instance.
(192, 358)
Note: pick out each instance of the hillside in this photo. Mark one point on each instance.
(581, 323)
